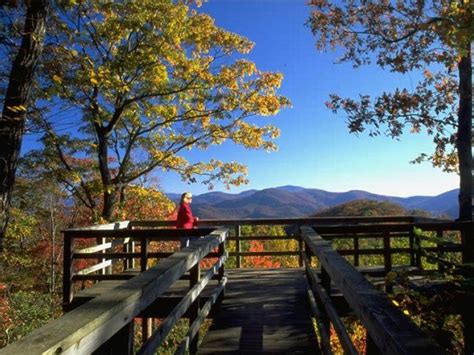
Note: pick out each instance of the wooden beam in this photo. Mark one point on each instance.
(87, 327)
(159, 234)
(194, 328)
(265, 253)
(330, 310)
(393, 332)
(93, 268)
(325, 347)
(264, 237)
(109, 226)
(165, 327)
(280, 221)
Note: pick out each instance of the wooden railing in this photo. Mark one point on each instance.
(106, 323)
(387, 230)
(120, 252)
(389, 331)
(417, 241)
(236, 226)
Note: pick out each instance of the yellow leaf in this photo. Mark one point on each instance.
(57, 79)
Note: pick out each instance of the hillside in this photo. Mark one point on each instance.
(366, 208)
(295, 201)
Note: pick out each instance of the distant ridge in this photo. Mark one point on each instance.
(296, 201)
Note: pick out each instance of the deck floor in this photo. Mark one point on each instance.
(264, 311)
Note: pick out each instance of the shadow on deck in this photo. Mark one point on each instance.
(263, 311)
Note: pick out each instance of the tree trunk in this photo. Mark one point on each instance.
(109, 190)
(12, 121)
(464, 137)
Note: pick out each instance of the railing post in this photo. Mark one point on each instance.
(411, 241)
(146, 328)
(439, 247)
(238, 231)
(104, 270)
(129, 262)
(195, 276)
(126, 261)
(356, 250)
(143, 254)
(387, 255)
(301, 250)
(221, 252)
(387, 258)
(67, 269)
(308, 252)
(418, 262)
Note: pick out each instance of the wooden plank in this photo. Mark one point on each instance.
(380, 251)
(108, 226)
(93, 268)
(158, 234)
(195, 276)
(109, 255)
(203, 312)
(87, 327)
(419, 222)
(265, 253)
(149, 347)
(367, 235)
(325, 300)
(264, 311)
(280, 221)
(264, 237)
(393, 332)
(93, 249)
(111, 277)
(325, 347)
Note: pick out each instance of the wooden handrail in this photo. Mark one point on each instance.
(389, 329)
(280, 221)
(87, 327)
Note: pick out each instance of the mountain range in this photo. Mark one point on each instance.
(295, 201)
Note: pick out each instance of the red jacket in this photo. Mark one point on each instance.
(185, 217)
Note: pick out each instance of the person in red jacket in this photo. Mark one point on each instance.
(185, 218)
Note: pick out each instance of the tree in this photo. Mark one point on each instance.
(17, 92)
(403, 36)
(149, 80)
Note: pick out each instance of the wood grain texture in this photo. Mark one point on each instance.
(263, 311)
(392, 332)
(84, 329)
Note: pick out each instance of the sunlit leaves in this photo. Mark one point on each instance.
(153, 79)
(401, 36)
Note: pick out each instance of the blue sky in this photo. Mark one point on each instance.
(315, 148)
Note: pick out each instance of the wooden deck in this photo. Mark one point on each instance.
(263, 311)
